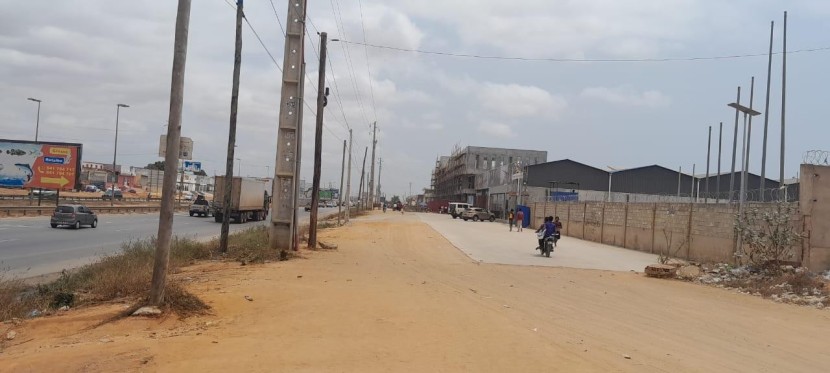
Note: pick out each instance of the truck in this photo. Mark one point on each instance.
(249, 199)
(200, 207)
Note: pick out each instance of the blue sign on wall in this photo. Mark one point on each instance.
(53, 160)
(564, 196)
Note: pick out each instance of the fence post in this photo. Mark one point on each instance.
(689, 231)
(584, 223)
(568, 227)
(602, 225)
(653, 225)
(625, 224)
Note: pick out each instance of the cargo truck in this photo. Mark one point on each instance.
(249, 199)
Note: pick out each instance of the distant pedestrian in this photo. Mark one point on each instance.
(520, 218)
(510, 217)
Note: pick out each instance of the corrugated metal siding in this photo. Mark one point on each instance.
(567, 171)
(650, 180)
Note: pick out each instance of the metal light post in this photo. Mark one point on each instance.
(610, 173)
(240, 167)
(115, 153)
(37, 122)
(743, 188)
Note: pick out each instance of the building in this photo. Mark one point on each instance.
(467, 174)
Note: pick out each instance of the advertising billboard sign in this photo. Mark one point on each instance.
(185, 147)
(192, 166)
(47, 165)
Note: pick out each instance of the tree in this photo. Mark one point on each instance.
(200, 173)
(158, 165)
(396, 199)
(770, 235)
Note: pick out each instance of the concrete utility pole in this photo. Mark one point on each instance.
(362, 176)
(342, 176)
(708, 152)
(283, 229)
(766, 114)
(226, 203)
(720, 147)
(783, 101)
(165, 231)
(349, 181)
(380, 168)
(114, 154)
(734, 148)
(372, 173)
(318, 143)
(679, 173)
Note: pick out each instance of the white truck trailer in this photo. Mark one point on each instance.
(249, 199)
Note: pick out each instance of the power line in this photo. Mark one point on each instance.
(545, 59)
(368, 70)
(342, 29)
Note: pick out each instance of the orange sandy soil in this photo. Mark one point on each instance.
(396, 296)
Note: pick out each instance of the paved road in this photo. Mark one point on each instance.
(29, 247)
(494, 243)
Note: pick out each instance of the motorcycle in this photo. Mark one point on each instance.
(548, 244)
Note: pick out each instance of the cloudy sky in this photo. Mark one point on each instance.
(82, 57)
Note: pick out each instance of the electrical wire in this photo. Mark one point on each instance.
(341, 28)
(545, 59)
(368, 69)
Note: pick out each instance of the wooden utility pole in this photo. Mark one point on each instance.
(283, 227)
(371, 190)
(349, 181)
(228, 189)
(165, 231)
(340, 191)
(362, 176)
(318, 143)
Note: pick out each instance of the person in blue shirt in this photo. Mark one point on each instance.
(549, 228)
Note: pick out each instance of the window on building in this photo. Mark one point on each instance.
(511, 160)
(493, 164)
(478, 165)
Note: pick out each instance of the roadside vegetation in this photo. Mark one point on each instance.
(126, 275)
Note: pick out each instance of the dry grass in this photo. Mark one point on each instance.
(803, 283)
(127, 275)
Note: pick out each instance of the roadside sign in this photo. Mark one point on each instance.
(185, 147)
(47, 165)
(192, 166)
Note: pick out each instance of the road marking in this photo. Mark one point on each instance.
(10, 240)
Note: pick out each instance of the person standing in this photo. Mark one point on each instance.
(510, 217)
(520, 218)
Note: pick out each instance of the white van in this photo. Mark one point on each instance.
(456, 208)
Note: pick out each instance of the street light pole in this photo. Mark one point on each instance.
(115, 153)
(37, 122)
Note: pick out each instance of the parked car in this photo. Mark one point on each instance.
(331, 204)
(74, 216)
(456, 208)
(477, 214)
(108, 195)
(91, 188)
(43, 194)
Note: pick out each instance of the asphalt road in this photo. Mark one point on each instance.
(29, 247)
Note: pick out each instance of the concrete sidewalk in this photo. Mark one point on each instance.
(494, 243)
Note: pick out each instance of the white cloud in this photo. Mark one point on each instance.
(625, 96)
(513, 100)
(496, 129)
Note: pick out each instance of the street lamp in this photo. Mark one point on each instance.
(610, 173)
(747, 111)
(239, 173)
(115, 152)
(37, 123)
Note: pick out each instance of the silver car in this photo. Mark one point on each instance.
(74, 216)
(477, 214)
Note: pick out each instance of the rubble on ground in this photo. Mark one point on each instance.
(810, 289)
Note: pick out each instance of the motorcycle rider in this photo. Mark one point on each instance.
(549, 228)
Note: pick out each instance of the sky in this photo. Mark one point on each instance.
(83, 57)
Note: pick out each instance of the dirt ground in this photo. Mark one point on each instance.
(396, 296)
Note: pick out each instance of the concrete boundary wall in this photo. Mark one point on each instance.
(698, 232)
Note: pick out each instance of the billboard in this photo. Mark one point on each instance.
(47, 165)
(185, 147)
(192, 166)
